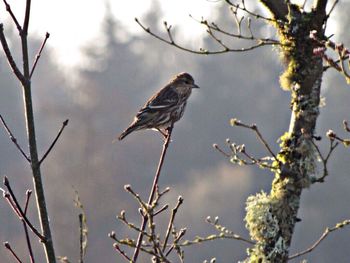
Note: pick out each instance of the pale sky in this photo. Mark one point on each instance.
(74, 24)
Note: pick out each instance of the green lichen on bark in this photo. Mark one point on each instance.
(271, 217)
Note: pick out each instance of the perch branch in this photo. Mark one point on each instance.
(153, 191)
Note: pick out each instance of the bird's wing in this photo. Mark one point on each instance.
(165, 98)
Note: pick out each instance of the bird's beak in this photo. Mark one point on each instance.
(195, 86)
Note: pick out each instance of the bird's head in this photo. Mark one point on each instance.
(185, 79)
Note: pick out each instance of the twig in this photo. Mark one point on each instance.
(332, 8)
(322, 237)
(122, 218)
(154, 240)
(136, 196)
(130, 243)
(332, 146)
(37, 57)
(226, 231)
(154, 186)
(201, 51)
(181, 233)
(13, 139)
(165, 207)
(215, 27)
(18, 208)
(64, 124)
(24, 78)
(31, 255)
(7, 245)
(9, 57)
(26, 17)
(215, 146)
(81, 239)
(171, 221)
(254, 127)
(255, 15)
(121, 252)
(83, 229)
(8, 9)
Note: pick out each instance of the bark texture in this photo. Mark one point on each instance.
(271, 218)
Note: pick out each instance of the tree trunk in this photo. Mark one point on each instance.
(271, 217)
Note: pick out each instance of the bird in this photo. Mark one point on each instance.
(165, 107)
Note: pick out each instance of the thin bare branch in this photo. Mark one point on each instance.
(130, 243)
(201, 51)
(332, 8)
(8, 9)
(37, 57)
(254, 127)
(8, 246)
(26, 17)
(251, 13)
(215, 146)
(171, 221)
(25, 227)
(81, 238)
(13, 139)
(165, 207)
(21, 213)
(9, 57)
(64, 124)
(121, 252)
(179, 235)
(322, 237)
(332, 145)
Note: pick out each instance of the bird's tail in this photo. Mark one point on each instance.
(124, 134)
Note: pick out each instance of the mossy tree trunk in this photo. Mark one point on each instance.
(271, 217)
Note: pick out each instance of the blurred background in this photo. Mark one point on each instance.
(99, 68)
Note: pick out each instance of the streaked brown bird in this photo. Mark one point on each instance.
(165, 107)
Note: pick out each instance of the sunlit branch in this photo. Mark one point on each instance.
(322, 237)
(37, 57)
(170, 40)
